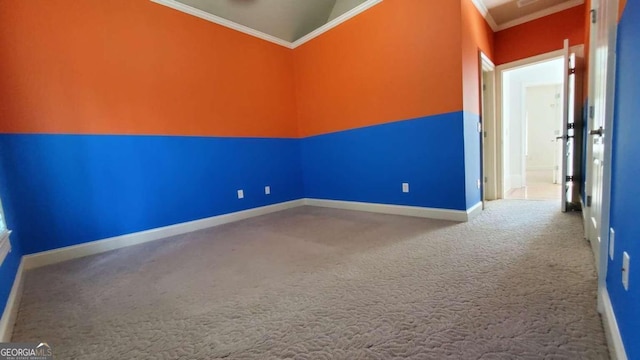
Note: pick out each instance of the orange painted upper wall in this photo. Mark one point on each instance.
(476, 36)
(540, 36)
(398, 60)
(135, 67)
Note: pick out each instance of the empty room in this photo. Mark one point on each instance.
(321, 179)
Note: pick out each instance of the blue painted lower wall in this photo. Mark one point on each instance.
(62, 190)
(370, 164)
(625, 189)
(71, 189)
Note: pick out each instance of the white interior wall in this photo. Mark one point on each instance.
(543, 111)
(506, 132)
(514, 85)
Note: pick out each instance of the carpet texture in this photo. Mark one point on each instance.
(313, 283)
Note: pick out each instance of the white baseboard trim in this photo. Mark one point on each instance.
(474, 211)
(99, 246)
(585, 217)
(614, 340)
(415, 211)
(10, 313)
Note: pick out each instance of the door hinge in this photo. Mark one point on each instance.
(592, 112)
(571, 126)
(594, 16)
(589, 201)
(486, 179)
(569, 178)
(485, 134)
(484, 87)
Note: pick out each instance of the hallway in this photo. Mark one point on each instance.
(539, 186)
(516, 282)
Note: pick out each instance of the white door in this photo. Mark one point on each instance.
(601, 90)
(543, 107)
(568, 133)
(565, 122)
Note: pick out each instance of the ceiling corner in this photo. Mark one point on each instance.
(482, 8)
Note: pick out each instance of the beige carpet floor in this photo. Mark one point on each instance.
(518, 282)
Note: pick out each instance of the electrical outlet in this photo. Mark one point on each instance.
(479, 183)
(405, 187)
(240, 194)
(625, 270)
(612, 241)
(267, 190)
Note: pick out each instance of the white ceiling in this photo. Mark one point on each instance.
(493, 3)
(503, 14)
(291, 23)
(512, 10)
(288, 20)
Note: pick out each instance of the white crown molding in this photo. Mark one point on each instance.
(540, 14)
(335, 22)
(221, 21)
(482, 8)
(259, 34)
(485, 13)
(10, 313)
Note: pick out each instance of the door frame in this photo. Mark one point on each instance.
(612, 35)
(488, 122)
(499, 135)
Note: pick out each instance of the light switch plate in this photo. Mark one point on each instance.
(267, 190)
(612, 241)
(240, 194)
(405, 187)
(625, 270)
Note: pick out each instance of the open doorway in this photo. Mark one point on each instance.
(531, 138)
(488, 138)
(532, 127)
